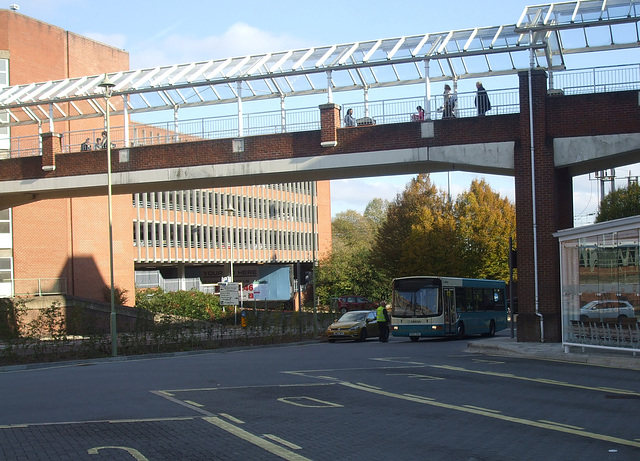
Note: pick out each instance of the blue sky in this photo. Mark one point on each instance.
(163, 32)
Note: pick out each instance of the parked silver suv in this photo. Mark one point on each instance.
(606, 310)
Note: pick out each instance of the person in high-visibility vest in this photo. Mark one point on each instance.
(382, 317)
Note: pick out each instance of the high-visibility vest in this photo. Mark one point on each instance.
(380, 314)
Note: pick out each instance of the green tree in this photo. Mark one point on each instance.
(426, 234)
(620, 203)
(348, 270)
(400, 241)
(376, 212)
(485, 222)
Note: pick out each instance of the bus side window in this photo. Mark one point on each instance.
(461, 300)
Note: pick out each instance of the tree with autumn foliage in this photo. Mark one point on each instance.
(427, 234)
(485, 221)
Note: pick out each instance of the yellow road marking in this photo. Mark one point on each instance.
(284, 442)
(537, 380)
(561, 424)
(500, 416)
(255, 440)
(319, 403)
(419, 376)
(419, 397)
(195, 404)
(148, 420)
(232, 418)
(480, 408)
(368, 385)
(132, 451)
(486, 361)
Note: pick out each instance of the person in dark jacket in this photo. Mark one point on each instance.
(482, 100)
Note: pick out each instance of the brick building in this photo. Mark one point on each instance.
(62, 245)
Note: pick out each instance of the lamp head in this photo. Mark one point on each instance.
(108, 85)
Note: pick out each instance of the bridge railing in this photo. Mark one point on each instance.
(598, 80)
(388, 111)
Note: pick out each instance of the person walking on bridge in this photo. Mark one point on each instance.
(349, 120)
(482, 100)
(449, 105)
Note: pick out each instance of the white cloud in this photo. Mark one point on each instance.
(239, 39)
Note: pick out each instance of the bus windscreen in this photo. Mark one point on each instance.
(415, 298)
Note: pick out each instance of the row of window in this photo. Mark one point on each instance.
(174, 235)
(479, 299)
(219, 203)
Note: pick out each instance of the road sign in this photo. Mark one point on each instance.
(229, 294)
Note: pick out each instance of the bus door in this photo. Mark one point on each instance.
(450, 314)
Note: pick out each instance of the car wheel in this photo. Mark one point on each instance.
(332, 340)
(343, 310)
(460, 332)
(414, 338)
(363, 335)
(622, 318)
(584, 318)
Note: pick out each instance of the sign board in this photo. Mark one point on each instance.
(256, 291)
(229, 294)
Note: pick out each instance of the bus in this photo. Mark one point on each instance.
(425, 306)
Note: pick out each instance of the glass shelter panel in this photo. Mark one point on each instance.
(601, 288)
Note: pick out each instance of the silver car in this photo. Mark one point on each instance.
(606, 310)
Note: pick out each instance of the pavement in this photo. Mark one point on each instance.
(507, 346)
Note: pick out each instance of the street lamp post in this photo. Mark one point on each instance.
(108, 85)
(231, 229)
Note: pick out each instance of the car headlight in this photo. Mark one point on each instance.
(354, 328)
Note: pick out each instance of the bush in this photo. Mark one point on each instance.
(119, 295)
(191, 304)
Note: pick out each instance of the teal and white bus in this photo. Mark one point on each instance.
(424, 306)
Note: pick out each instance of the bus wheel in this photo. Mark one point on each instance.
(492, 329)
(414, 338)
(460, 333)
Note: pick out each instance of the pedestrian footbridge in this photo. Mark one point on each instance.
(552, 124)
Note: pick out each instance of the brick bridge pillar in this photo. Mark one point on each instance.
(554, 211)
(329, 124)
(51, 146)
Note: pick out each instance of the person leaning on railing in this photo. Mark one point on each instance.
(86, 145)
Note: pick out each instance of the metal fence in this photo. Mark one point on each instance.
(151, 279)
(599, 79)
(39, 286)
(388, 111)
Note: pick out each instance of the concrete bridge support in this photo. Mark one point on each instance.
(539, 287)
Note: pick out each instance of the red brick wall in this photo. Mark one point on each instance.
(324, 218)
(54, 238)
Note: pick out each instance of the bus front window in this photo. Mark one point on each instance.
(422, 302)
(427, 302)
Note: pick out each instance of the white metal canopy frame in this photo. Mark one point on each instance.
(551, 30)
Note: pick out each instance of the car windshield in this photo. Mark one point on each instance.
(353, 317)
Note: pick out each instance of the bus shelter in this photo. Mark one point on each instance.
(600, 285)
